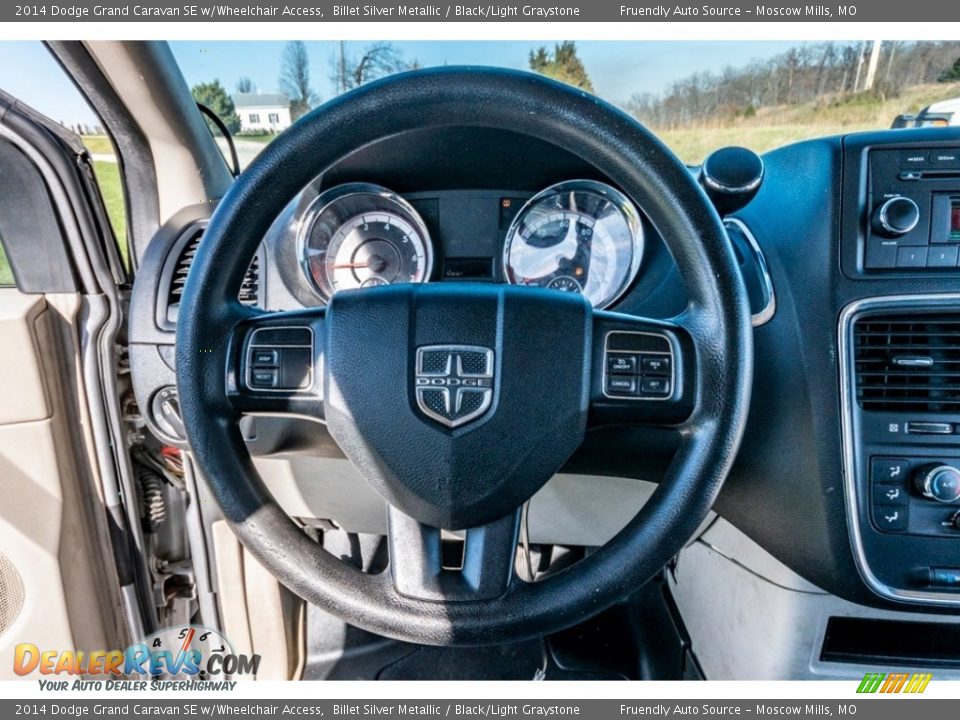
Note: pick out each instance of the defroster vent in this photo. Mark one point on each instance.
(908, 361)
(249, 290)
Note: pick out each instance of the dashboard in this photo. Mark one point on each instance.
(512, 209)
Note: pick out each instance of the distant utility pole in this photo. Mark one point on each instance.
(342, 70)
(872, 66)
(856, 80)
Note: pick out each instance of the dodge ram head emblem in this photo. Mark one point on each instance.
(454, 383)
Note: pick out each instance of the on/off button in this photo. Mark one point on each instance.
(621, 363)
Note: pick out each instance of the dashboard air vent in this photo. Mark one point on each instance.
(908, 361)
(249, 290)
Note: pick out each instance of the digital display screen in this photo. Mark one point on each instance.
(955, 220)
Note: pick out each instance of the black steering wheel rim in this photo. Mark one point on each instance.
(717, 317)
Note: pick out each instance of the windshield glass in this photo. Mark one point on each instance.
(697, 96)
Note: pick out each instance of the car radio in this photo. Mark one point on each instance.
(914, 210)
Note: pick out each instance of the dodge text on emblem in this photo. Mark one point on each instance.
(454, 383)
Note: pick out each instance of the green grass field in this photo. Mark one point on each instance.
(6, 276)
(108, 178)
(775, 127)
(263, 139)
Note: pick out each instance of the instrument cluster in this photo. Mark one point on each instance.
(580, 236)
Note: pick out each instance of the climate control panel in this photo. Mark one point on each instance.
(919, 496)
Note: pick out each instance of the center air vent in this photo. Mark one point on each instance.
(249, 290)
(908, 361)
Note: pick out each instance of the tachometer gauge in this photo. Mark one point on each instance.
(578, 236)
(359, 235)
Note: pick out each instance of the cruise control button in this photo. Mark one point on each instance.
(887, 470)
(655, 365)
(655, 386)
(263, 378)
(889, 495)
(891, 519)
(622, 363)
(625, 386)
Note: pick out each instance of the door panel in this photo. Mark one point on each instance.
(52, 559)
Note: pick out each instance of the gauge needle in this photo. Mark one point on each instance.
(345, 266)
(183, 649)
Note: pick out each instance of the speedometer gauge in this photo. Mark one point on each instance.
(578, 236)
(359, 235)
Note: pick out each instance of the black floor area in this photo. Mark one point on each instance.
(641, 639)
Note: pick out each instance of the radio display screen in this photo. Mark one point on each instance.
(955, 219)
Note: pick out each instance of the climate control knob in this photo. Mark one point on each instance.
(938, 482)
(896, 217)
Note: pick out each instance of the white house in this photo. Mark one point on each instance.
(262, 112)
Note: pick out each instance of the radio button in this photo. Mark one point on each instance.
(911, 257)
(914, 158)
(945, 158)
(945, 256)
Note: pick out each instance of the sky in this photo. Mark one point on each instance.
(617, 69)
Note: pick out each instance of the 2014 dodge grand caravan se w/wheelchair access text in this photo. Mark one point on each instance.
(467, 374)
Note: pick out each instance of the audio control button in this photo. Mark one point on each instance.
(911, 257)
(895, 217)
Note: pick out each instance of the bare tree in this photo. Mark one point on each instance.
(295, 78)
(811, 72)
(245, 85)
(376, 60)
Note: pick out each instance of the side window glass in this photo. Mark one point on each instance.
(48, 90)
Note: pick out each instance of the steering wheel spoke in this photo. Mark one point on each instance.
(273, 364)
(480, 566)
(643, 371)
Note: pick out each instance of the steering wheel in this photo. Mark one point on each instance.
(514, 376)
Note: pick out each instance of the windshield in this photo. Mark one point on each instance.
(697, 96)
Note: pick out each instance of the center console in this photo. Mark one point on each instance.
(900, 371)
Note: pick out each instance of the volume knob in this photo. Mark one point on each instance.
(939, 482)
(896, 217)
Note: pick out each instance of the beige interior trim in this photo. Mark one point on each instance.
(48, 524)
(181, 181)
(258, 614)
(21, 383)
(230, 588)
